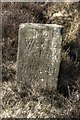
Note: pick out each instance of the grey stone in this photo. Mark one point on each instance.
(39, 51)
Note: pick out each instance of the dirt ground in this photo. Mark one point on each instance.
(63, 103)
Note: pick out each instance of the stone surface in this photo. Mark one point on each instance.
(39, 51)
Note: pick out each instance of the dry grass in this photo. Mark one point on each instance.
(48, 104)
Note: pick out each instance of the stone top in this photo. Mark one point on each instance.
(37, 25)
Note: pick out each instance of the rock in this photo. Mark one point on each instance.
(39, 51)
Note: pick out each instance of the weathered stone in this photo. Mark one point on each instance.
(39, 48)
